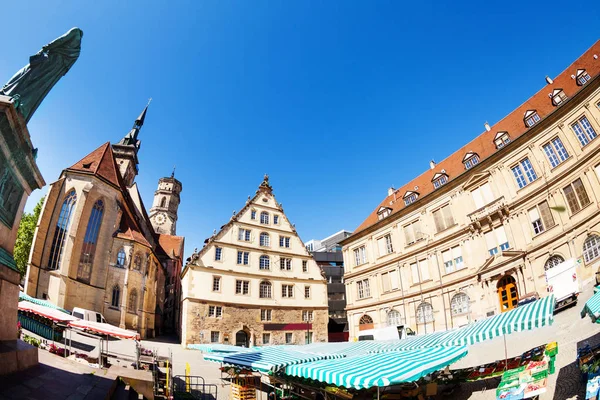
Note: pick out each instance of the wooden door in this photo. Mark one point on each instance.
(507, 293)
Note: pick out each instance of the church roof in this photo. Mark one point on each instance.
(128, 230)
(100, 162)
(172, 245)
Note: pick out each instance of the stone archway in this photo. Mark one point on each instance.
(242, 338)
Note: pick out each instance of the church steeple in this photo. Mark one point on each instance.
(127, 149)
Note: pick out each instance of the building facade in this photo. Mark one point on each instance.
(466, 238)
(95, 247)
(254, 283)
(328, 255)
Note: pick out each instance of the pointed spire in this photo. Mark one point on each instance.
(131, 138)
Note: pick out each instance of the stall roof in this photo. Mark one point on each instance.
(46, 312)
(268, 359)
(45, 303)
(104, 329)
(380, 369)
(592, 308)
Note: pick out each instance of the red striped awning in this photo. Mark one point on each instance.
(104, 329)
(287, 327)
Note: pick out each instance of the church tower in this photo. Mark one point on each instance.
(126, 151)
(163, 214)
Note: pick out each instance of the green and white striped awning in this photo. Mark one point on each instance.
(531, 316)
(378, 369)
(45, 303)
(267, 359)
(592, 308)
(220, 348)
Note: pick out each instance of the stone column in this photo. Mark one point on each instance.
(125, 290)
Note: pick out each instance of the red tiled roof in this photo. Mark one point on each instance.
(100, 162)
(128, 230)
(172, 245)
(484, 144)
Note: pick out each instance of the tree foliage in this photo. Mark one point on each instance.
(25, 236)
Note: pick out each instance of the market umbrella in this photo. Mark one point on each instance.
(379, 369)
(267, 359)
(592, 308)
(45, 303)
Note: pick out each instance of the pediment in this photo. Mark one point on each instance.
(476, 180)
(439, 175)
(469, 155)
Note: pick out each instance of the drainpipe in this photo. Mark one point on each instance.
(437, 261)
(403, 296)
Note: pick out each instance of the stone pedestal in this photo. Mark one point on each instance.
(19, 176)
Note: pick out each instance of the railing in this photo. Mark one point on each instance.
(185, 386)
(487, 210)
(40, 329)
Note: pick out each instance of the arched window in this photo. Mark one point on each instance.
(137, 262)
(61, 231)
(265, 262)
(265, 240)
(163, 202)
(121, 258)
(424, 313)
(365, 319)
(90, 241)
(265, 290)
(132, 304)
(116, 296)
(394, 318)
(264, 217)
(459, 304)
(591, 248)
(553, 262)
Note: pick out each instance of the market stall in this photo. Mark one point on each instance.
(219, 348)
(588, 357)
(45, 303)
(49, 323)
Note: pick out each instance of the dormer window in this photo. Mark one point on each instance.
(410, 197)
(558, 96)
(383, 212)
(531, 118)
(470, 160)
(439, 179)
(582, 77)
(501, 139)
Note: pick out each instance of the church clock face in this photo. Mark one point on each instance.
(160, 218)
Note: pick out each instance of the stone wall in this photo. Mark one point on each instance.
(199, 326)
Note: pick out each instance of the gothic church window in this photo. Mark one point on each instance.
(137, 263)
(90, 242)
(121, 258)
(116, 296)
(62, 227)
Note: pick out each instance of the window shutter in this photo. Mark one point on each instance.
(597, 171)
(408, 234)
(490, 240)
(394, 282)
(385, 279)
(533, 214)
(448, 219)
(486, 193)
(381, 247)
(424, 266)
(417, 229)
(501, 235)
(571, 199)
(476, 194)
(547, 217)
(437, 218)
(415, 272)
(584, 200)
(446, 256)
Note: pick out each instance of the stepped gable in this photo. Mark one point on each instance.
(100, 162)
(484, 144)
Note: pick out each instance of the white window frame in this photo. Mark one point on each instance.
(459, 304)
(410, 197)
(242, 287)
(265, 293)
(363, 289)
(212, 336)
(502, 139)
(244, 235)
(285, 264)
(591, 248)
(447, 218)
(555, 151)
(218, 253)
(287, 291)
(531, 118)
(425, 313)
(266, 314)
(266, 338)
(584, 131)
(360, 256)
(307, 291)
(582, 77)
(264, 262)
(216, 286)
(304, 266)
(264, 218)
(411, 228)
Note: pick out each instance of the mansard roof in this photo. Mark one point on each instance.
(484, 145)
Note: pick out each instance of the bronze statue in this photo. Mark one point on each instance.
(30, 85)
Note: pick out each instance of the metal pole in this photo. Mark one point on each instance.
(377, 392)
(505, 353)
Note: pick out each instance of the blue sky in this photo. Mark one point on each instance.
(335, 100)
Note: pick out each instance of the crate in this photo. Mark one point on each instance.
(239, 392)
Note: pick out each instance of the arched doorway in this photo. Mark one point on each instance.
(242, 339)
(508, 294)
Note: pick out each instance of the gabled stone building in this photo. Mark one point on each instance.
(95, 246)
(254, 283)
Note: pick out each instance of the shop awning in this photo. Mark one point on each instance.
(592, 308)
(46, 312)
(45, 303)
(267, 359)
(104, 329)
(380, 369)
(220, 348)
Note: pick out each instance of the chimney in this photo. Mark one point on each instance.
(431, 164)
(391, 191)
(549, 80)
(487, 126)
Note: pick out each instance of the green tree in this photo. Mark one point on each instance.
(25, 236)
